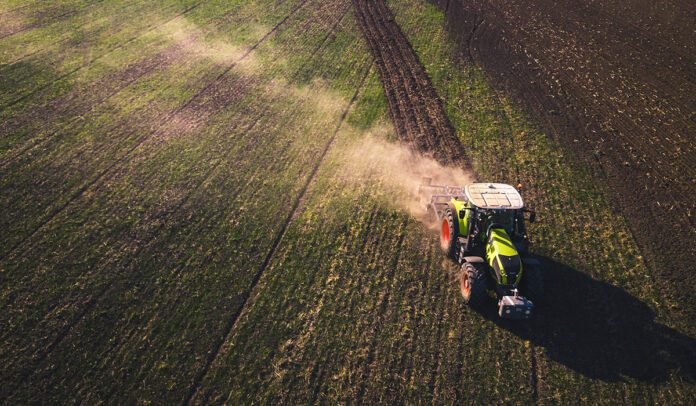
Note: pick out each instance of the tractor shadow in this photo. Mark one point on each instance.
(601, 331)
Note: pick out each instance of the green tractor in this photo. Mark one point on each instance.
(482, 228)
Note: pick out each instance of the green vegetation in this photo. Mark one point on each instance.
(151, 159)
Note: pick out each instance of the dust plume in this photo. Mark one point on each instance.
(196, 43)
(397, 170)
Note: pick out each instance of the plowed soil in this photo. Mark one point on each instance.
(414, 107)
(614, 82)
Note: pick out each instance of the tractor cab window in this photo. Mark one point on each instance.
(506, 219)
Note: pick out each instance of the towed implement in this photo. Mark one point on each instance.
(482, 228)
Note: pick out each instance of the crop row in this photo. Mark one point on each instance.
(194, 208)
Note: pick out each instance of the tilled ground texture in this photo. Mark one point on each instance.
(414, 106)
(614, 82)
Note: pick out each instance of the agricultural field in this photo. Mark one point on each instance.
(208, 201)
(614, 82)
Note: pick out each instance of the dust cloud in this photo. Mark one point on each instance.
(196, 43)
(398, 171)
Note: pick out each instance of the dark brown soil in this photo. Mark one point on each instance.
(414, 106)
(614, 83)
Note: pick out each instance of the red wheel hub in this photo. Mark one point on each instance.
(465, 284)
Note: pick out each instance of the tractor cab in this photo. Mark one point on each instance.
(496, 206)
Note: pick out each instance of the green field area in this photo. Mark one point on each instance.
(186, 217)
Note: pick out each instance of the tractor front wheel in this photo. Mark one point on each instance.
(472, 283)
(448, 234)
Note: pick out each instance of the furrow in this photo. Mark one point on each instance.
(128, 154)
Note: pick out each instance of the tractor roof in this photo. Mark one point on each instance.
(493, 196)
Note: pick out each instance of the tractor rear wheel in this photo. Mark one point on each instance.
(449, 232)
(472, 283)
(532, 283)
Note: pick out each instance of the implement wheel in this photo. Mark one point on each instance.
(472, 283)
(449, 231)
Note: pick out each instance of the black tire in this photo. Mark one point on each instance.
(449, 232)
(532, 283)
(472, 284)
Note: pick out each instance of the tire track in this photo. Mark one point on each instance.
(426, 97)
(124, 80)
(421, 120)
(229, 330)
(49, 21)
(403, 120)
(128, 154)
(110, 287)
(91, 61)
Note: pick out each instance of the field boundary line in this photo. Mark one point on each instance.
(142, 140)
(198, 380)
